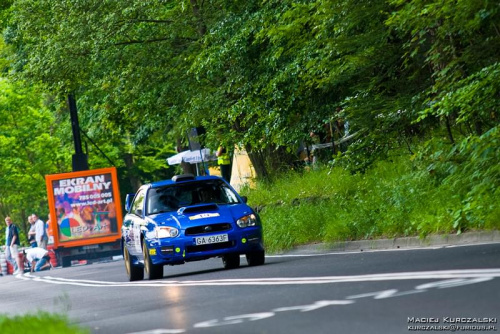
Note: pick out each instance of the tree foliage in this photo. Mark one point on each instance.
(29, 149)
(264, 74)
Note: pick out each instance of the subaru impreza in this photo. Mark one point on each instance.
(187, 219)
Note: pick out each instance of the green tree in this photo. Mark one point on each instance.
(278, 70)
(264, 74)
(107, 55)
(458, 44)
(29, 149)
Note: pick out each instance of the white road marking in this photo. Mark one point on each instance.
(485, 274)
(454, 278)
(236, 319)
(385, 294)
(232, 320)
(317, 305)
(162, 331)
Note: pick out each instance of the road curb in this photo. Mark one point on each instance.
(468, 238)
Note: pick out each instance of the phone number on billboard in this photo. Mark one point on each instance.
(94, 196)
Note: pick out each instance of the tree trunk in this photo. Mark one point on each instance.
(188, 168)
(202, 28)
(135, 183)
(448, 128)
(258, 162)
(478, 127)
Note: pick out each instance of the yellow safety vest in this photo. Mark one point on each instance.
(223, 159)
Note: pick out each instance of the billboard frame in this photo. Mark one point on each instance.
(53, 214)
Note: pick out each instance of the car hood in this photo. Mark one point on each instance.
(199, 215)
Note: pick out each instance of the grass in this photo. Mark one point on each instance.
(393, 198)
(41, 322)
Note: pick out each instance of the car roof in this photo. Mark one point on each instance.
(163, 183)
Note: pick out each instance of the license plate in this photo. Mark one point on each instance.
(213, 239)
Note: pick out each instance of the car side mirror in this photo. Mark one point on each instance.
(138, 212)
(128, 201)
(245, 199)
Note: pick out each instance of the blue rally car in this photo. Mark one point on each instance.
(186, 219)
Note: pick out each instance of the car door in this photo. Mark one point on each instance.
(132, 222)
(127, 221)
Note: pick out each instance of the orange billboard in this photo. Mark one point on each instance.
(85, 205)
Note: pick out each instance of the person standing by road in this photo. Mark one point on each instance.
(224, 161)
(11, 244)
(32, 233)
(41, 232)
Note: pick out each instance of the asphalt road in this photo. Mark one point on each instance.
(445, 289)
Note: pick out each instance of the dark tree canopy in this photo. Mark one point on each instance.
(263, 75)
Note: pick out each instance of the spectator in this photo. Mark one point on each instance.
(41, 232)
(38, 258)
(224, 162)
(11, 244)
(32, 233)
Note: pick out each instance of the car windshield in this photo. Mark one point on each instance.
(173, 197)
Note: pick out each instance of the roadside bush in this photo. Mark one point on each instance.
(471, 172)
(439, 190)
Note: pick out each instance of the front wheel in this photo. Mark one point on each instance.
(256, 258)
(154, 271)
(134, 273)
(231, 261)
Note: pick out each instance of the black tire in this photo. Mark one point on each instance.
(154, 271)
(134, 272)
(59, 259)
(231, 261)
(256, 258)
(65, 262)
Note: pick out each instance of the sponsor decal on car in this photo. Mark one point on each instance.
(204, 215)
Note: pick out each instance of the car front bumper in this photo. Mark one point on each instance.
(184, 249)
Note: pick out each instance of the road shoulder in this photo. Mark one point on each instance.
(441, 240)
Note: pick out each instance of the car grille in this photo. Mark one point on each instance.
(207, 229)
(210, 247)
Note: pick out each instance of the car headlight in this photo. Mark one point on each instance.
(166, 232)
(245, 221)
